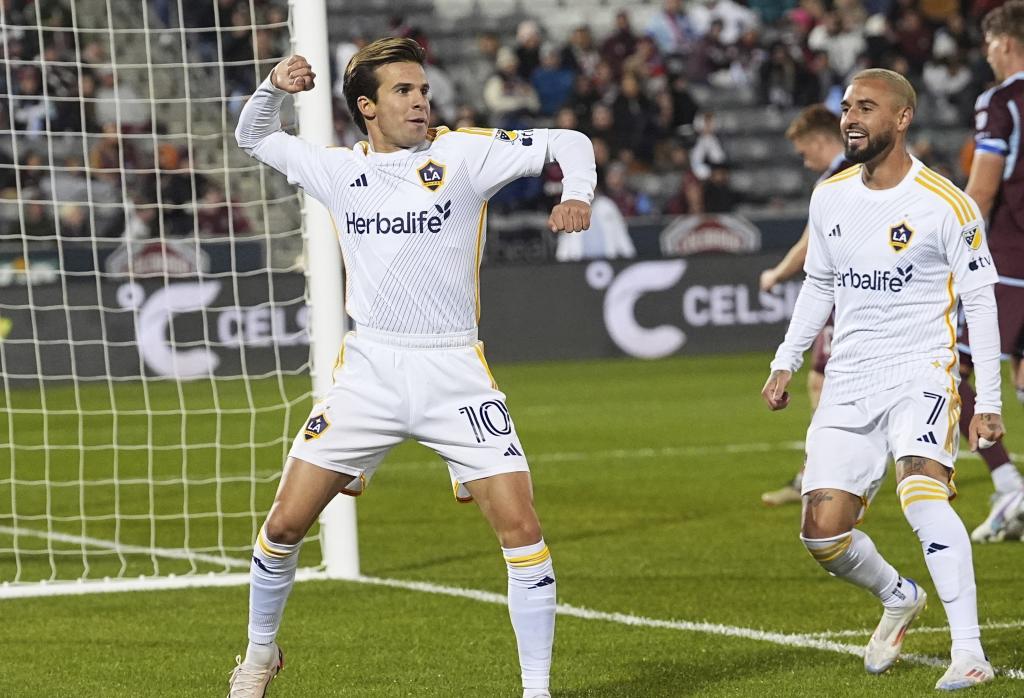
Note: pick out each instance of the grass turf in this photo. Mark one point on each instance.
(647, 476)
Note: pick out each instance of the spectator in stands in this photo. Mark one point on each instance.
(580, 55)
(442, 93)
(952, 38)
(629, 201)
(914, 39)
(719, 195)
(607, 238)
(582, 101)
(821, 81)
(112, 155)
(218, 217)
(74, 221)
(688, 191)
(620, 44)
(671, 30)
(30, 112)
(602, 125)
(347, 48)
(634, 115)
(477, 68)
(528, 41)
(123, 103)
(38, 219)
(708, 150)
(507, 96)
(552, 82)
(735, 18)
(646, 64)
(843, 44)
(947, 80)
(684, 104)
(710, 55)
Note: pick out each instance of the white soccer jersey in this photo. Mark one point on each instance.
(412, 223)
(897, 259)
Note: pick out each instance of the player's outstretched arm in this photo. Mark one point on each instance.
(293, 74)
(774, 390)
(790, 264)
(574, 153)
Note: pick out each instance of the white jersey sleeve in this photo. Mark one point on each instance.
(496, 157)
(314, 168)
(967, 251)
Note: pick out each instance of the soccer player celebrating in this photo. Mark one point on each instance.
(815, 135)
(893, 246)
(411, 211)
(997, 185)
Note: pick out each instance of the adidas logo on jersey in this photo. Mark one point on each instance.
(875, 280)
(360, 181)
(428, 220)
(928, 438)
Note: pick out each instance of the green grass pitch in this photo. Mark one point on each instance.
(647, 478)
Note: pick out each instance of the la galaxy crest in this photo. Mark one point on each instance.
(899, 236)
(431, 175)
(972, 236)
(315, 427)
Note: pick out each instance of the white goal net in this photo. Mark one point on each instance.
(154, 314)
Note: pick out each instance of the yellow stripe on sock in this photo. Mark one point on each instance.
(529, 560)
(267, 550)
(833, 551)
(924, 497)
(923, 489)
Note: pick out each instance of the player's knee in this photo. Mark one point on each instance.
(523, 531)
(1020, 394)
(832, 552)
(278, 529)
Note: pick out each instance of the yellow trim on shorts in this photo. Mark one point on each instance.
(529, 560)
(340, 361)
(479, 346)
(479, 252)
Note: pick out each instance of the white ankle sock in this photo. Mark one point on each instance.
(947, 553)
(1007, 478)
(270, 581)
(531, 607)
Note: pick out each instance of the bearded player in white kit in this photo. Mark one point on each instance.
(410, 207)
(894, 246)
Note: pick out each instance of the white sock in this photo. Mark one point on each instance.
(1007, 478)
(852, 556)
(270, 581)
(947, 553)
(531, 606)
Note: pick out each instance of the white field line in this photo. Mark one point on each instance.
(1011, 625)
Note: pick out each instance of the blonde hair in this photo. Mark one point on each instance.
(899, 84)
(814, 119)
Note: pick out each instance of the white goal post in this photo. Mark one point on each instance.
(164, 299)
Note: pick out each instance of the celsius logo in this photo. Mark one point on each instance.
(876, 280)
(428, 220)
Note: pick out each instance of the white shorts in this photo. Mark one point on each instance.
(386, 391)
(849, 445)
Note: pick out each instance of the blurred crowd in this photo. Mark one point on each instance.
(635, 91)
(96, 155)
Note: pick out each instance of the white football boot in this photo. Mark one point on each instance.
(965, 671)
(251, 680)
(536, 693)
(884, 646)
(1005, 520)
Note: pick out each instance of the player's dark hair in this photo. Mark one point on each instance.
(814, 119)
(361, 72)
(1006, 20)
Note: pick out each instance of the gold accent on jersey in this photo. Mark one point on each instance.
(844, 174)
(365, 146)
(477, 131)
(939, 185)
(957, 193)
(479, 252)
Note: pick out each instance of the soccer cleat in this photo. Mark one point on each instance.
(1005, 521)
(884, 646)
(790, 494)
(536, 693)
(965, 671)
(251, 680)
